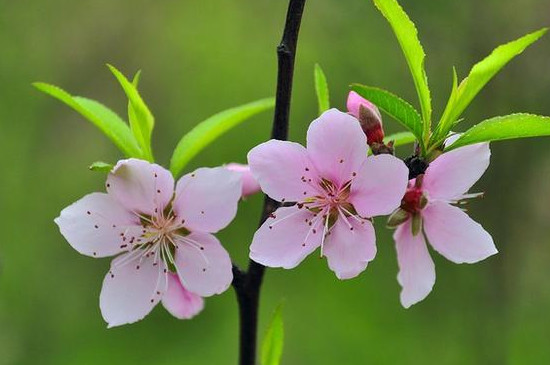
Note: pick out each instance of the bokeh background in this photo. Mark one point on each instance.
(200, 57)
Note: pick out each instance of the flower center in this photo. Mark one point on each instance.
(162, 234)
(333, 196)
(414, 200)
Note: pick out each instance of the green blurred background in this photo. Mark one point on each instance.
(200, 57)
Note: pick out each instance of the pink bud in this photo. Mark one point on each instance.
(368, 115)
(250, 185)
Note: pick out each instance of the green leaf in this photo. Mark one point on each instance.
(407, 35)
(480, 75)
(141, 118)
(321, 89)
(400, 139)
(506, 127)
(101, 166)
(394, 106)
(132, 117)
(272, 346)
(207, 131)
(102, 117)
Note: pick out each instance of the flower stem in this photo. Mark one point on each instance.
(247, 284)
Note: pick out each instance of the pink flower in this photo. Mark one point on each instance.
(427, 213)
(167, 251)
(336, 188)
(250, 185)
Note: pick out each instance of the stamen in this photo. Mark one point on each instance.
(284, 218)
(325, 229)
(343, 216)
(354, 216)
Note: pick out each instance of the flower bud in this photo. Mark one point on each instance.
(416, 223)
(398, 217)
(250, 185)
(369, 117)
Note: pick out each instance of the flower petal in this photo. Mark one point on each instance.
(204, 266)
(180, 302)
(286, 238)
(131, 289)
(141, 186)
(98, 226)
(250, 185)
(350, 249)
(206, 200)
(379, 186)
(453, 173)
(337, 145)
(416, 268)
(283, 170)
(455, 235)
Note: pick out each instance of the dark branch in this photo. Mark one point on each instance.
(247, 284)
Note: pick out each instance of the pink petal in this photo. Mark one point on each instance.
(455, 235)
(453, 173)
(337, 145)
(141, 186)
(250, 185)
(348, 250)
(379, 186)
(289, 240)
(131, 290)
(204, 266)
(98, 226)
(355, 101)
(283, 170)
(206, 200)
(180, 302)
(416, 268)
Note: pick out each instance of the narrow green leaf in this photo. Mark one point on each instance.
(439, 133)
(141, 118)
(272, 346)
(394, 106)
(209, 130)
(101, 166)
(507, 127)
(102, 117)
(480, 75)
(137, 77)
(407, 35)
(321, 89)
(400, 139)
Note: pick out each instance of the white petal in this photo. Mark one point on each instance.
(141, 186)
(416, 268)
(131, 289)
(286, 238)
(204, 266)
(451, 175)
(180, 302)
(283, 170)
(337, 145)
(350, 249)
(98, 226)
(455, 235)
(207, 199)
(379, 186)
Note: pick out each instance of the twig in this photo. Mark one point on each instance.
(247, 284)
